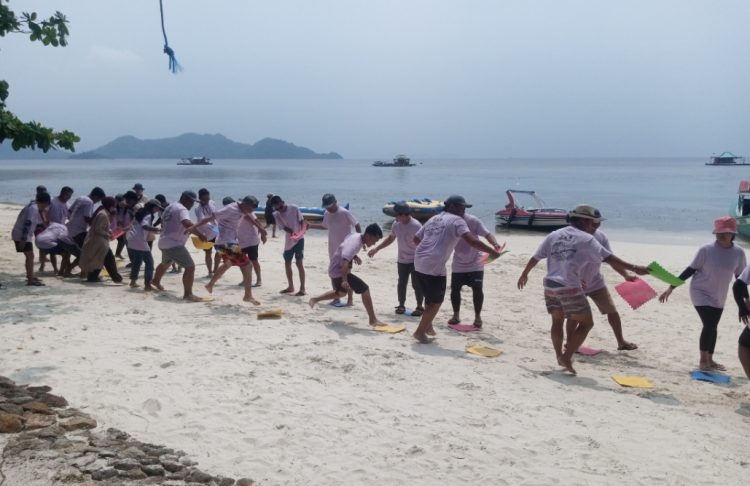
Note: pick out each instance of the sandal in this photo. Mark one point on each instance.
(627, 347)
(400, 309)
(452, 321)
(417, 312)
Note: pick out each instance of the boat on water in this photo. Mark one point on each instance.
(726, 159)
(421, 209)
(195, 161)
(740, 210)
(535, 215)
(398, 161)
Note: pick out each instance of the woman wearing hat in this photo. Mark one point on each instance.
(712, 270)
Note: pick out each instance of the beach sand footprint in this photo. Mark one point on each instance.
(152, 406)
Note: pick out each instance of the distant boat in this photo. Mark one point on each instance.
(726, 158)
(398, 161)
(195, 161)
(516, 215)
(740, 210)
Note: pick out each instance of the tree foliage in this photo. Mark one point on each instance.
(50, 32)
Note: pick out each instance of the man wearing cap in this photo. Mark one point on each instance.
(339, 222)
(175, 228)
(228, 220)
(204, 209)
(141, 198)
(568, 251)
(596, 289)
(290, 220)
(435, 243)
(403, 231)
(27, 222)
(340, 267)
(250, 234)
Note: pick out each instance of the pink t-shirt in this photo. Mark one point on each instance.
(247, 233)
(339, 226)
(715, 266)
(228, 219)
(173, 232)
(466, 258)
(26, 222)
(291, 218)
(567, 251)
(346, 251)
(204, 211)
(438, 238)
(82, 208)
(47, 239)
(591, 275)
(405, 234)
(57, 211)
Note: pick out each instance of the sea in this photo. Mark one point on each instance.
(653, 200)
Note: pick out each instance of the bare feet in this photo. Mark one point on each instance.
(312, 303)
(192, 298)
(157, 286)
(301, 293)
(422, 338)
(251, 300)
(133, 284)
(567, 363)
(705, 367)
(377, 323)
(350, 303)
(209, 288)
(287, 290)
(717, 366)
(431, 331)
(626, 346)
(148, 288)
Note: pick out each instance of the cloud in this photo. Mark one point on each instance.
(111, 55)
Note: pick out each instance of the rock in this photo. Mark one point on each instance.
(116, 434)
(172, 466)
(38, 420)
(53, 400)
(126, 464)
(78, 422)
(61, 443)
(68, 412)
(37, 407)
(106, 453)
(132, 474)
(10, 408)
(187, 461)
(18, 400)
(97, 465)
(103, 474)
(83, 461)
(133, 453)
(198, 476)
(153, 470)
(244, 482)
(10, 423)
(148, 461)
(226, 482)
(39, 389)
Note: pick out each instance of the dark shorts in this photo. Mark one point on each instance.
(356, 283)
(212, 240)
(433, 287)
(80, 238)
(470, 279)
(58, 250)
(251, 252)
(23, 246)
(297, 251)
(745, 338)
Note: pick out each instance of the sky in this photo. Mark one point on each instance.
(373, 78)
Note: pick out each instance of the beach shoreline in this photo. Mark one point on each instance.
(317, 397)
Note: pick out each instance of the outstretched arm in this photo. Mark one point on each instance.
(387, 241)
(686, 274)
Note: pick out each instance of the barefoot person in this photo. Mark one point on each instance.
(57, 213)
(435, 243)
(250, 234)
(81, 212)
(467, 269)
(567, 251)
(340, 267)
(205, 208)
(596, 289)
(175, 229)
(29, 218)
(339, 223)
(712, 270)
(289, 218)
(228, 219)
(403, 231)
(54, 240)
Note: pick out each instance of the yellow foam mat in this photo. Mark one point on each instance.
(390, 329)
(270, 313)
(480, 350)
(633, 381)
(201, 245)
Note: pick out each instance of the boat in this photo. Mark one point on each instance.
(726, 159)
(421, 209)
(398, 161)
(740, 210)
(538, 216)
(195, 161)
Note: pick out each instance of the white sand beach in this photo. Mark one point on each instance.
(317, 397)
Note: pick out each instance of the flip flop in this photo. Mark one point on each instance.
(417, 312)
(400, 309)
(453, 322)
(300, 294)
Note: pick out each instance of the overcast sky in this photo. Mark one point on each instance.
(372, 78)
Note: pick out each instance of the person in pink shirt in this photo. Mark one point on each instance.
(435, 242)
(712, 270)
(340, 271)
(204, 209)
(568, 251)
(250, 234)
(339, 223)
(289, 218)
(403, 231)
(468, 269)
(27, 222)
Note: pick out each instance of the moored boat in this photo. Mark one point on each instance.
(537, 217)
(421, 209)
(195, 161)
(726, 159)
(398, 161)
(740, 210)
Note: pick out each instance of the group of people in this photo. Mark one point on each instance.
(81, 232)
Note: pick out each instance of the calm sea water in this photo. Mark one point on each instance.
(658, 199)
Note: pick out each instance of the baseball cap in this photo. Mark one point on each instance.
(190, 195)
(328, 200)
(227, 200)
(456, 200)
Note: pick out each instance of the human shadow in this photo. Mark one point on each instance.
(433, 348)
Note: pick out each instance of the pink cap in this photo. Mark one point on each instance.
(725, 224)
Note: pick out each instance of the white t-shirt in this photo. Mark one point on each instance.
(47, 239)
(137, 235)
(466, 258)
(567, 251)
(228, 219)
(346, 251)
(82, 208)
(57, 211)
(173, 232)
(438, 238)
(405, 234)
(201, 212)
(292, 219)
(339, 226)
(247, 233)
(591, 275)
(26, 222)
(715, 266)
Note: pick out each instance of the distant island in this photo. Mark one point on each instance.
(185, 145)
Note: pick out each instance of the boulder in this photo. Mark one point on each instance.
(10, 424)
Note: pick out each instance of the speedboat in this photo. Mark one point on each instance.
(535, 215)
(740, 210)
(420, 209)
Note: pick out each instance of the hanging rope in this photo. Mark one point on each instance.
(174, 66)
